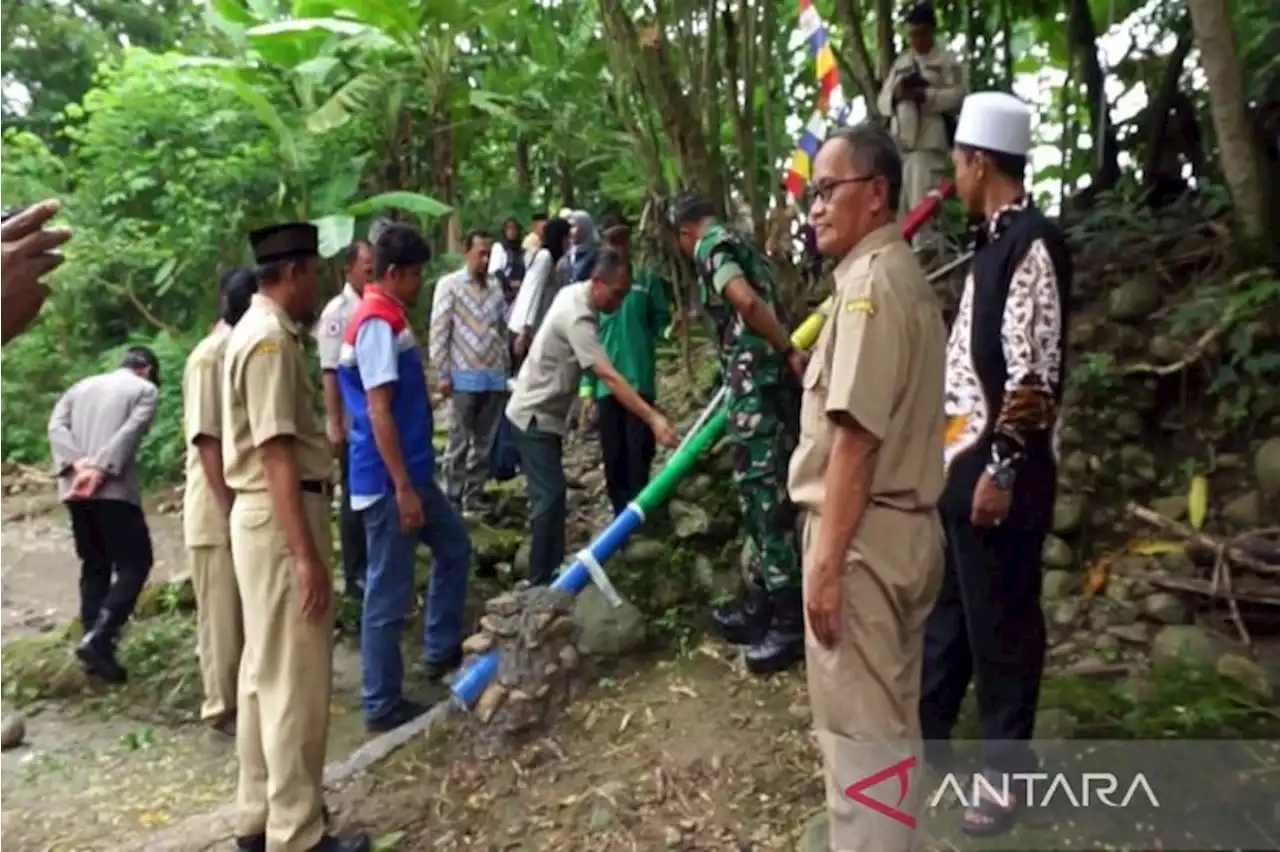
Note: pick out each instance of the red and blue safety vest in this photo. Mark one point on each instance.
(410, 402)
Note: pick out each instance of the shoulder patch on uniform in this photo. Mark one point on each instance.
(860, 306)
(266, 347)
(333, 328)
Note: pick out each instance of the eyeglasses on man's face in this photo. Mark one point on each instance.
(823, 190)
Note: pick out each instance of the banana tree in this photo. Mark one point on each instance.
(306, 62)
(393, 68)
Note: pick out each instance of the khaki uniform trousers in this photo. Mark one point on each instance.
(219, 628)
(865, 692)
(922, 171)
(286, 675)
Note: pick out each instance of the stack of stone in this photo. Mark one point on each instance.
(534, 630)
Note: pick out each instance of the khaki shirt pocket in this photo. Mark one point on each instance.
(814, 402)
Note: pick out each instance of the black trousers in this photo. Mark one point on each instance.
(355, 558)
(542, 460)
(627, 446)
(114, 546)
(986, 626)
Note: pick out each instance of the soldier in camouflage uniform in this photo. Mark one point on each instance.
(757, 363)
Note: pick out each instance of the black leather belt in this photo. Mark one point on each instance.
(315, 486)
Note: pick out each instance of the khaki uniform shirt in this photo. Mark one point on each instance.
(203, 522)
(567, 343)
(880, 359)
(921, 127)
(266, 393)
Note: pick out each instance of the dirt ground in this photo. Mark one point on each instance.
(86, 777)
(38, 566)
(688, 754)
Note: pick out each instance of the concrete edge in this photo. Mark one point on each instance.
(384, 745)
(211, 829)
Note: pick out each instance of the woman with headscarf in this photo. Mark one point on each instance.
(541, 283)
(585, 247)
(506, 261)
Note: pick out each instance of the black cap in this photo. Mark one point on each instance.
(922, 13)
(285, 242)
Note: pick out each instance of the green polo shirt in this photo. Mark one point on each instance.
(630, 335)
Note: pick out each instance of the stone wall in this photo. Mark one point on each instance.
(534, 630)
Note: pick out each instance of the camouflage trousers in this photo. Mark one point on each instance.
(763, 430)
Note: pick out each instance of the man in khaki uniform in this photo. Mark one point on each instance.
(921, 96)
(868, 472)
(277, 462)
(206, 504)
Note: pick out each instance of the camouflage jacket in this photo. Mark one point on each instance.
(720, 256)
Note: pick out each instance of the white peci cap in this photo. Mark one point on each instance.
(995, 121)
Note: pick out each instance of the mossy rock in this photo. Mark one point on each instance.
(159, 654)
(41, 667)
(165, 598)
(491, 545)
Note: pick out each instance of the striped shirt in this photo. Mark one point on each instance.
(468, 340)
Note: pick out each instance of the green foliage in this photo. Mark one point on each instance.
(1249, 362)
(1176, 703)
(159, 652)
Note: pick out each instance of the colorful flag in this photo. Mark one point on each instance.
(830, 97)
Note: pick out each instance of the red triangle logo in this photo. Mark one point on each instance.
(899, 770)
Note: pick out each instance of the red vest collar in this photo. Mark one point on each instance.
(378, 294)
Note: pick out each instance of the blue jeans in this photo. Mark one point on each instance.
(389, 592)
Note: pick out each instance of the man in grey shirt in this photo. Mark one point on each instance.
(566, 344)
(94, 433)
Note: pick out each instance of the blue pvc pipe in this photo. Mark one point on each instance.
(470, 684)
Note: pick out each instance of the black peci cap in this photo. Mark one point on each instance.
(285, 242)
(922, 13)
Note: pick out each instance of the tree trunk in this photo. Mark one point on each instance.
(1085, 39)
(1241, 160)
(681, 120)
(1006, 35)
(445, 179)
(567, 194)
(524, 176)
(861, 64)
(884, 36)
(772, 144)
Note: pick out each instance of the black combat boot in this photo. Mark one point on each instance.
(359, 842)
(97, 651)
(783, 643)
(743, 621)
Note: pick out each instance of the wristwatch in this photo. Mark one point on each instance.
(1003, 475)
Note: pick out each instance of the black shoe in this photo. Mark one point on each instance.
(225, 726)
(744, 621)
(356, 843)
(258, 842)
(404, 711)
(252, 843)
(782, 646)
(437, 669)
(99, 658)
